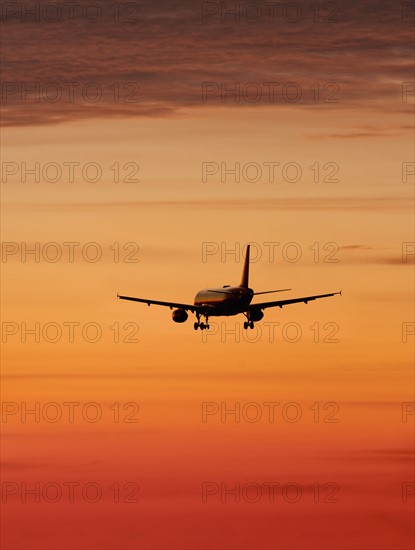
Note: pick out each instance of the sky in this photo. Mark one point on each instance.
(144, 144)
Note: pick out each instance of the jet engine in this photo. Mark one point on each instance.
(256, 315)
(179, 315)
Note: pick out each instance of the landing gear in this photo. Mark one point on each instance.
(201, 325)
(248, 324)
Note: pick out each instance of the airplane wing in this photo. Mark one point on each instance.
(282, 303)
(171, 305)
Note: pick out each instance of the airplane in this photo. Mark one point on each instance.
(225, 301)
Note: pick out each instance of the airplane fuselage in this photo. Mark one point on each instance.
(227, 300)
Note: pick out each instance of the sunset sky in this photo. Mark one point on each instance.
(144, 144)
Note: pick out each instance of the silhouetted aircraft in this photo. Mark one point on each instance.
(225, 301)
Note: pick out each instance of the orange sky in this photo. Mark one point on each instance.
(338, 372)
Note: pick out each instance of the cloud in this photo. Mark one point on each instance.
(153, 62)
(368, 254)
(357, 247)
(360, 134)
(375, 204)
(386, 455)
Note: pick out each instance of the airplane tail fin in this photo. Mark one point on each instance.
(245, 272)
